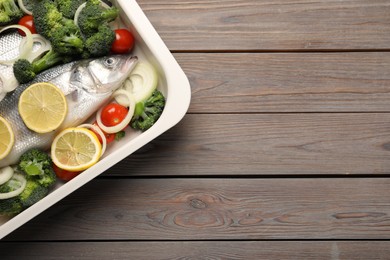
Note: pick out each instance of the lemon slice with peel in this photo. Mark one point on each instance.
(7, 138)
(75, 149)
(42, 107)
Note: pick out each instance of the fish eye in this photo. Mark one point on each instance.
(110, 62)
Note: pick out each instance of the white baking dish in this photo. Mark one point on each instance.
(172, 82)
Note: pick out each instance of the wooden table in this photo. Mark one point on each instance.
(283, 154)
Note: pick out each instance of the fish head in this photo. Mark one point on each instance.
(103, 74)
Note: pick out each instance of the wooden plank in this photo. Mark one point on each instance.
(316, 250)
(288, 82)
(266, 144)
(215, 209)
(270, 24)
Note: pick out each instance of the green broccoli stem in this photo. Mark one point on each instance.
(110, 14)
(10, 7)
(139, 109)
(74, 41)
(50, 59)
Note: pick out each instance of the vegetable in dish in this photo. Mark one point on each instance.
(99, 44)
(9, 12)
(93, 15)
(32, 193)
(28, 22)
(148, 112)
(68, 8)
(32, 180)
(26, 71)
(63, 34)
(124, 41)
(38, 164)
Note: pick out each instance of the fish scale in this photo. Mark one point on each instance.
(9, 50)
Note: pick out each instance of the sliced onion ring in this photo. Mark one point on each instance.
(16, 192)
(28, 45)
(125, 121)
(42, 41)
(6, 174)
(23, 7)
(10, 83)
(100, 132)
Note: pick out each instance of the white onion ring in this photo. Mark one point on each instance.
(16, 192)
(6, 174)
(2, 95)
(77, 13)
(45, 46)
(23, 7)
(10, 83)
(125, 121)
(100, 132)
(28, 46)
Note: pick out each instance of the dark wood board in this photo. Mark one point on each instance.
(235, 250)
(342, 144)
(269, 25)
(218, 209)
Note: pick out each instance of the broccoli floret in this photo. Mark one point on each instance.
(148, 112)
(23, 71)
(67, 40)
(47, 17)
(93, 15)
(26, 71)
(9, 12)
(100, 43)
(63, 34)
(68, 7)
(33, 193)
(11, 206)
(38, 165)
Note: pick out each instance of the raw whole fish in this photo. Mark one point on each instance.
(87, 85)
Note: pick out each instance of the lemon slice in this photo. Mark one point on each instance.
(42, 107)
(75, 149)
(7, 138)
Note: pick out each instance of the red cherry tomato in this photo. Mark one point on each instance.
(124, 41)
(28, 22)
(109, 137)
(64, 174)
(112, 114)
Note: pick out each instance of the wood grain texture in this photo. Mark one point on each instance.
(266, 144)
(288, 82)
(240, 250)
(271, 24)
(218, 209)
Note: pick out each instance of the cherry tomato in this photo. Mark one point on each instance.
(109, 137)
(124, 41)
(64, 174)
(28, 22)
(112, 114)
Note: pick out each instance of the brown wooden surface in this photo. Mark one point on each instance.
(312, 250)
(283, 154)
(219, 209)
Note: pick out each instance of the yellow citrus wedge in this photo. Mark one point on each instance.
(7, 138)
(75, 149)
(42, 107)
